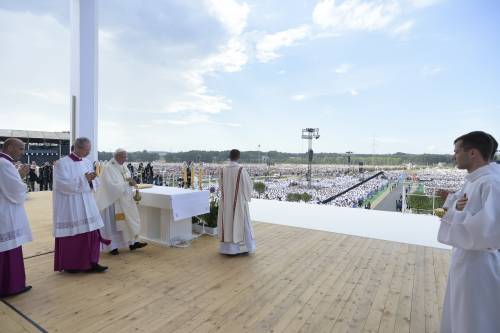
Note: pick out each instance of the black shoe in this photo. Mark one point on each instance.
(98, 268)
(114, 252)
(72, 271)
(25, 289)
(137, 245)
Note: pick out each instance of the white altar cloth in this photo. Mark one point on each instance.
(166, 213)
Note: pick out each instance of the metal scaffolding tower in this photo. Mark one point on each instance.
(310, 134)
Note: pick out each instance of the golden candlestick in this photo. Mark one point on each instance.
(200, 176)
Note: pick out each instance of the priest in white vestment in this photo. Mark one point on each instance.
(472, 226)
(76, 217)
(115, 200)
(233, 220)
(494, 165)
(14, 227)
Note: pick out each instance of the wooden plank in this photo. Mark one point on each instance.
(358, 299)
(326, 312)
(388, 320)
(432, 315)
(417, 323)
(374, 317)
(403, 314)
(314, 304)
(12, 322)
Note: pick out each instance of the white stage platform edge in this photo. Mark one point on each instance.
(390, 226)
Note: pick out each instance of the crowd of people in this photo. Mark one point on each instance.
(39, 178)
(282, 180)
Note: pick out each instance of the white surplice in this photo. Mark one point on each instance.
(75, 209)
(115, 199)
(14, 227)
(495, 168)
(472, 300)
(233, 221)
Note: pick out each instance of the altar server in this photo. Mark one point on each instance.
(233, 220)
(76, 218)
(115, 200)
(14, 226)
(472, 226)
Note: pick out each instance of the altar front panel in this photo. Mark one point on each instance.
(166, 213)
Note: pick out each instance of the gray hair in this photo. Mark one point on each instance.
(119, 151)
(80, 142)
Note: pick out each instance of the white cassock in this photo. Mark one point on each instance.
(233, 220)
(75, 209)
(14, 227)
(472, 299)
(495, 167)
(117, 206)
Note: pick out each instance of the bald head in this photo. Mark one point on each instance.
(14, 148)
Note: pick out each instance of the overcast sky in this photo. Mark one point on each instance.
(176, 75)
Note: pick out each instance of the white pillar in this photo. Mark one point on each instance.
(84, 66)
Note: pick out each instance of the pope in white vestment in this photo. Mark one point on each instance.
(472, 300)
(14, 227)
(76, 218)
(233, 221)
(117, 206)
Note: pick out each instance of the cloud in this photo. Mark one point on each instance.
(231, 57)
(342, 69)
(136, 82)
(404, 28)
(202, 103)
(34, 62)
(355, 14)
(53, 97)
(423, 3)
(298, 97)
(193, 118)
(354, 92)
(268, 46)
(432, 70)
(230, 13)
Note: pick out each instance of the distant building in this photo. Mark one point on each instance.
(40, 146)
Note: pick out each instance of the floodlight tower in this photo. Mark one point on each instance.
(349, 153)
(309, 134)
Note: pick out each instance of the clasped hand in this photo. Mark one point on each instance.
(24, 169)
(90, 176)
(460, 205)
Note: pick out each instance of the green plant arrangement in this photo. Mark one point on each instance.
(259, 187)
(209, 218)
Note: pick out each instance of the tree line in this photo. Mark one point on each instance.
(275, 157)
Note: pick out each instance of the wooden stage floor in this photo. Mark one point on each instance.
(298, 281)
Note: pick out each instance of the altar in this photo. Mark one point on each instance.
(166, 213)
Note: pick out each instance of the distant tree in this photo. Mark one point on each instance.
(104, 156)
(306, 197)
(291, 158)
(259, 187)
(293, 197)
